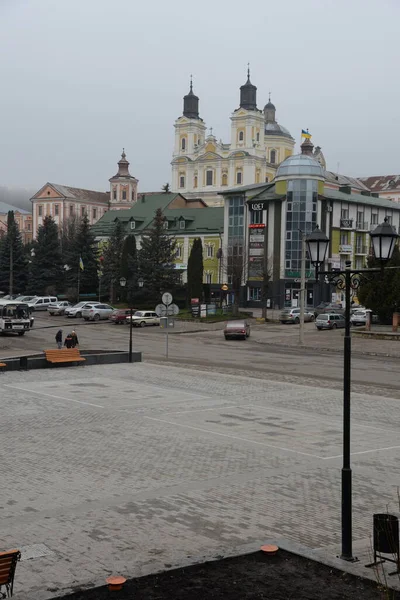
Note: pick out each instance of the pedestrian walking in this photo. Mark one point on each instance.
(68, 341)
(59, 339)
(75, 341)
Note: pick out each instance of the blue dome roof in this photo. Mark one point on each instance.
(300, 164)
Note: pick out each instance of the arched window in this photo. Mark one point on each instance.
(239, 177)
(273, 157)
(209, 177)
(266, 179)
(195, 181)
(241, 136)
(114, 194)
(257, 176)
(181, 181)
(183, 143)
(123, 194)
(224, 179)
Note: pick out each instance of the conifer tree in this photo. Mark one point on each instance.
(13, 259)
(157, 259)
(83, 249)
(47, 272)
(113, 259)
(195, 271)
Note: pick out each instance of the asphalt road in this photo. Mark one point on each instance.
(263, 352)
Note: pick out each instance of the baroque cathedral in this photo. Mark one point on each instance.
(203, 166)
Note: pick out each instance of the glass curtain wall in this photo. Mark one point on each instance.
(301, 218)
(235, 263)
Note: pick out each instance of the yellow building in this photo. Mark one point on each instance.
(202, 166)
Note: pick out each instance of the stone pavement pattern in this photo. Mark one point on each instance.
(136, 468)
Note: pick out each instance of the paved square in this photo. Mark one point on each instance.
(136, 468)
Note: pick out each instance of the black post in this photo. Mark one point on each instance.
(130, 330)
(347, 553)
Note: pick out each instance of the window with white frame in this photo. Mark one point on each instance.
(239, 177)
(94, 213)
(178, 253)
(182, 224)
(272, 159)
(83, 211)
(255, 294)
(56, 210)
(165, 224)
(133, 225)
(344, 213)
(183, 144)
(40, 210)
(209, 251)
(389, 219)
(209, 177)
(208, 277)
(374, 218)
(241, 136)
(256, 217)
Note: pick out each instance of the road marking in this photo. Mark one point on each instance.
(53, 396)
(363, 452)
(183, 412)
(233, 437)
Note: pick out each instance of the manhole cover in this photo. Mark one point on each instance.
(34, 551)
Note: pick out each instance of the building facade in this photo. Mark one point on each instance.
(387, 186)
(185, 219)
(265, 224)
(202, 166)
(23, 219)
(65, 202)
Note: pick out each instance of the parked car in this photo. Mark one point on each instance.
(58, 308)
(96, 311)
(330, 307)
(120, 315)
(141, 318)
(41, 302)
(329, 321)
(237, 329)
(359, 317)
(76, 309)
(10, 297)
(25, 298)
(292, 315)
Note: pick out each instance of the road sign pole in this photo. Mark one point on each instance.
(166, 344)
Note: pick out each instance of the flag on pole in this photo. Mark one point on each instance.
(305, 134)
(81, 263)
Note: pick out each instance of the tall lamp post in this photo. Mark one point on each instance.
(122, 283)
(383, 240)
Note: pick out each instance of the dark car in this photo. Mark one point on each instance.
(120, 315)
(237, 329)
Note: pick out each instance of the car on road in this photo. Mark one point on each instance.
(76, 309)
(25, 298)
(141, 318)
(237, 329)
(329, 321)
(58, 308)
(96, 311)
(41, 302)
(330, 308)
(359, 317)
(120, 315)
(292, 315)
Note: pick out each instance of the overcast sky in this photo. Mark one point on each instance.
(80, 79)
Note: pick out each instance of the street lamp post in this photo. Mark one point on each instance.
(383, 240)
(122, 283)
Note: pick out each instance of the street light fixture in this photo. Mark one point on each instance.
(140, 282)
(383, 240)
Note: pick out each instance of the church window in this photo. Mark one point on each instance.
(239, 177)
(40, 211)
(94, 213)
(266, 179)
(241, 136)
(258, 136)
(133, 195)
(183, 143)
(224, 179)
(209, 177)
(56, 210)
(195, 181)
(182, 181)
(273, 157)
(124, 195)
(114, 194)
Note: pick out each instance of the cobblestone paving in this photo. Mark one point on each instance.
(135, 468)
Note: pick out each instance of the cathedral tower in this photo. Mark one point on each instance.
(123, 186)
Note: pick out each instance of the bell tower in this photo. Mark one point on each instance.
(123, 186)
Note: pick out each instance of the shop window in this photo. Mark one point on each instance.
(255, 294)
(256, 217)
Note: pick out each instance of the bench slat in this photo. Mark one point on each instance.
(64, 355)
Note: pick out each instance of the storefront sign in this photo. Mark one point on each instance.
(258, 205)
(346, 248)
(195, 307)
(257, 226)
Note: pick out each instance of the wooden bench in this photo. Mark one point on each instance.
(2, 366)
(65, 355)
(8, 564)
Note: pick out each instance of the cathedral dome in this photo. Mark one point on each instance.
(273, 128)
(300, 165)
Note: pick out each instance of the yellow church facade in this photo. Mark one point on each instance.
(202, 166)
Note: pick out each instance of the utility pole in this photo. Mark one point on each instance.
(11, 281)
(302, 288)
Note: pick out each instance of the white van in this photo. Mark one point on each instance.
(41, 302)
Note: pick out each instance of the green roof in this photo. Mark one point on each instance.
(198, 221)
(359, 199)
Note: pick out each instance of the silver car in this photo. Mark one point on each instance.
(96, 311)
(292, 315)
(58, 308)
(329, 321)
(76, 309)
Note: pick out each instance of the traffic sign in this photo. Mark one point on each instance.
(167, 298)
(166, 311)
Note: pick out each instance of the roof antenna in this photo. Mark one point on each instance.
(191, 82)
(248, 71)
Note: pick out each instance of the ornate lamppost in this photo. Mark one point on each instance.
(383, 239)
(122, 283)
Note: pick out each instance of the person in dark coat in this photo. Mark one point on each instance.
(68, 341)
(59, 339)
(75, 341)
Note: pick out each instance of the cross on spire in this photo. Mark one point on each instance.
(211, 130)
(191, 82)
(248, 70)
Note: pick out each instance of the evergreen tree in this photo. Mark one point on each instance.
(381, 292)
(157, 258)
(13, 259)
(129, 259)
(47, 272)
(195, 271)
(165, 188)
(112, 260)
(84, 247)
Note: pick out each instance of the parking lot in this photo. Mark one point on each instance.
(131, 468)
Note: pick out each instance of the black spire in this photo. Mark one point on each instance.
(248, 94)
(191, 104)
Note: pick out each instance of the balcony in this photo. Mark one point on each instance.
(362, 226)
(361, 249)
(345, 249)
(346, 223)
